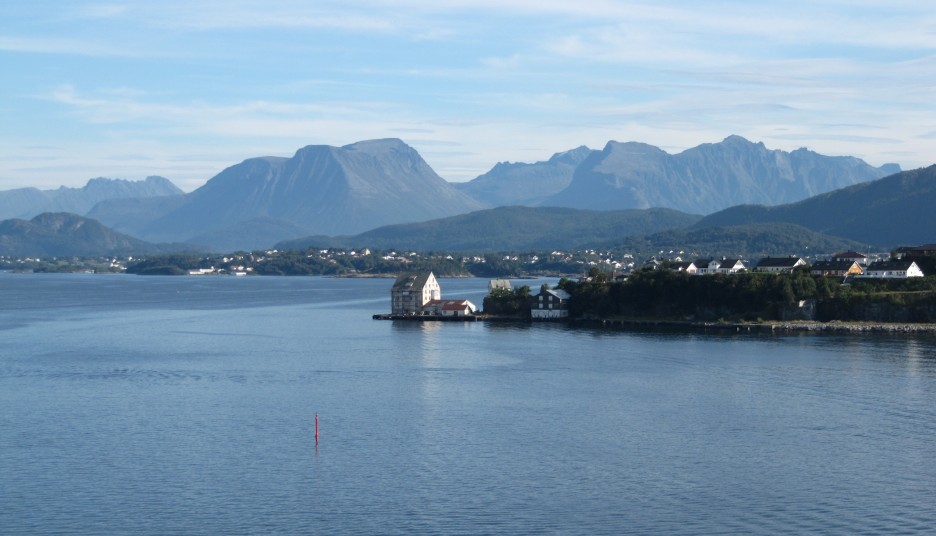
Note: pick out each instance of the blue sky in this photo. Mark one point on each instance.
(184, 89)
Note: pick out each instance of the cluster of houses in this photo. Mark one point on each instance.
(846, 264)
(420, 295)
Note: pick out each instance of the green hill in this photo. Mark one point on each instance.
(898, 209)
(746, 241)
(68, 235)
(511, 229)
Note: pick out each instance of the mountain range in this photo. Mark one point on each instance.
(28, 202)
(359, 190)
(707, 178)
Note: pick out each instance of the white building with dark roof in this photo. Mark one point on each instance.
(779, 265)
(550, 303)
(893, 269)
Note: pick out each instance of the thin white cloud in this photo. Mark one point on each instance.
(67, 46)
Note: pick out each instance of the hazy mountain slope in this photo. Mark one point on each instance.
(751, 241)
(898, 209)
(321, 189)
(706, 178)
(509, 184)
(250, 235)
(28, 202)
(66, 235)
(511, 228)
(132, 216)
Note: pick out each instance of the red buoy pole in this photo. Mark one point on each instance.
(316, 428)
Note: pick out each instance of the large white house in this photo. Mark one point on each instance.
(411, 292)
(779, 265)
(893, 269)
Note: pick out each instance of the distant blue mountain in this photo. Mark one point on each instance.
(28, 202)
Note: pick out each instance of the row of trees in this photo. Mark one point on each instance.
(752, 296)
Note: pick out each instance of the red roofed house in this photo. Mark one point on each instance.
(450, 307)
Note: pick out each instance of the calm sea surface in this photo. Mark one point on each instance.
(186, 405)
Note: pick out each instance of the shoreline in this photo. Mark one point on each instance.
(792, 326)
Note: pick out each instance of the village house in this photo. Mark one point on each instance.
(705, 266)
(845, 267)
(685, 266)
(450, 308)
(779, 265)
(730, 266)
(914, 252)
(893, 269)
(550, 304)
(411, 292)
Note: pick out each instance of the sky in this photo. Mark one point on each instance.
(184, 89)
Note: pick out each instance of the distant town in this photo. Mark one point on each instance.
(903, 262)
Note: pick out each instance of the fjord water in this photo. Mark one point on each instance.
(186, 406)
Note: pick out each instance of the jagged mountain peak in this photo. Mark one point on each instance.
(572, 155)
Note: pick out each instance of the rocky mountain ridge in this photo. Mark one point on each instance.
(707, 178)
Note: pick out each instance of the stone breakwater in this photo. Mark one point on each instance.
(779, 326)
(837, 326)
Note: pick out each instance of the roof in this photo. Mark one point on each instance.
(559, 293)
(499, 283)
(731, 262)
(849, 255)
(451, 305)
(901, 265)
(779, 262)
(412, 280)
(834, 264)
